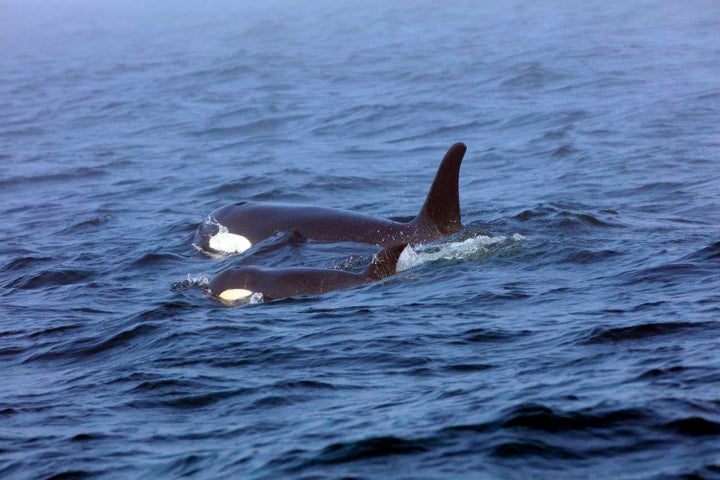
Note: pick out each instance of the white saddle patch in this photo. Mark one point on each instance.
(227, 242)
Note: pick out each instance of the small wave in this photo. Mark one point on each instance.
(25, 131)
(659, 188)
(165, 310)
(661, 372)
(85, 437)
(539, 417)
(669, 273)
(369, 448)
(357, 116)
(275, 401)
(119, 339)
(153, 259)
(78, 173)
(468, 367)
(698, 263)
(234, 186)
(279, 194)
(49, 278)
(22, 263)
(443, 132)
(709, 470)
(681, 375)
(711, 252)
(87, 347)
(694, 426)
(485, 335)
(469, 249)
(526, 422)
(531, 75)
(525, 448)
(599, 335)
(52, 331)
(584, 257)
(564, 151)
(560, 216)
(91, 222)
(189, 465)
(199, 400)
(264, 126)
(337, 183)
(303, 385)
(72, 474)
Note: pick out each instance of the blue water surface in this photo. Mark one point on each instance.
(585, 348)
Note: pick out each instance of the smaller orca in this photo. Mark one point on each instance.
(236, 227)
(242, 283)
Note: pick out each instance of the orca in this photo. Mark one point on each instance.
(237, 227)
(237, 284)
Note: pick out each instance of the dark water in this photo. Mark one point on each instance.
(587, 348)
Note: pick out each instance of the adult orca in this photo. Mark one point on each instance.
(241, 283)
(235, 228)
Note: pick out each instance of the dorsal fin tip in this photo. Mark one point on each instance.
(459, 146)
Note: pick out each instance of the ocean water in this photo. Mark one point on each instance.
(571, 330)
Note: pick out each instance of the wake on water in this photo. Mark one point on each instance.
(469, 249)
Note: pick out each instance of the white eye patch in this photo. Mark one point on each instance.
(227, 242)
(234, 294)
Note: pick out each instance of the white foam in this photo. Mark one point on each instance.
(408, 259)
(470, 247)
(192, 281)
(256, 297)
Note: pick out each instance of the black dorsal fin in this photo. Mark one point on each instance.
(385, 262)
(442, 205)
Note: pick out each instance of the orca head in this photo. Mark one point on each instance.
(234, 285)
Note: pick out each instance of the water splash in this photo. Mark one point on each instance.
(467, 249)
(256, 297)
(190, 281)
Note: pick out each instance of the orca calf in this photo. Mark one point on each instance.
(235, 228)
(241, 283)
